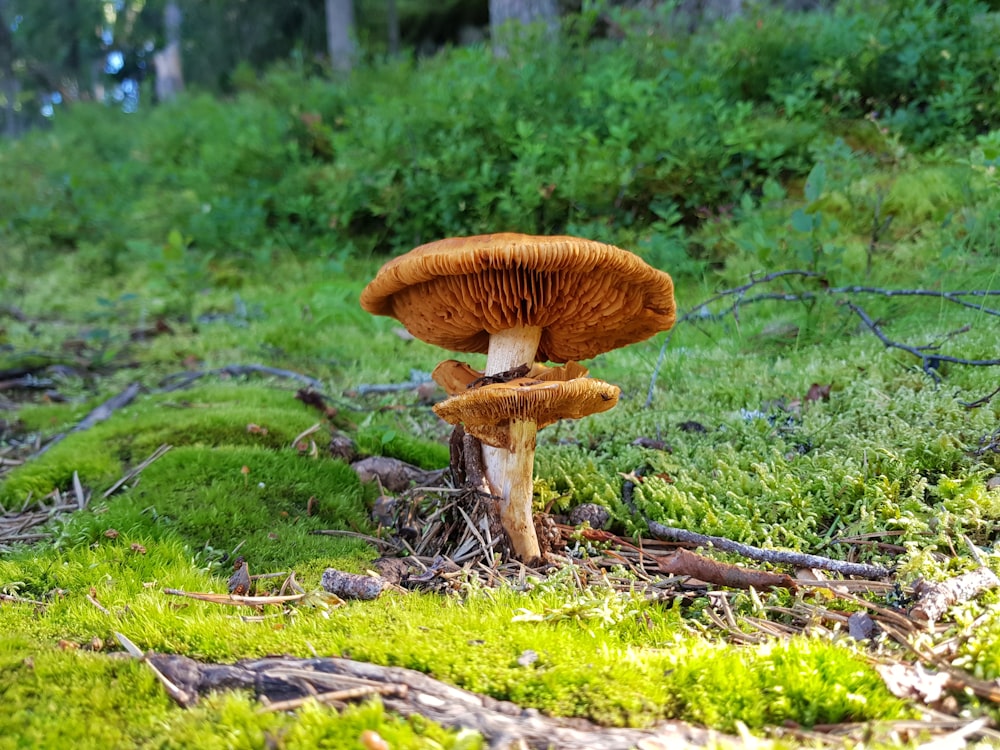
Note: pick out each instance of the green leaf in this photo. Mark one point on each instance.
(815, 182)
(803, 222)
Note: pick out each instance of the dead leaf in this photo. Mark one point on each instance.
(239, 581)
(818, 392)
(395, 475)
(138, 548)
(913, 682)
(652, 443)
(256, 429)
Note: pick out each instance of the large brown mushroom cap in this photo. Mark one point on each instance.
(587, 297)
(487, 412)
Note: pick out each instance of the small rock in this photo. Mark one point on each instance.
(351, 585)
(343, 447)
(527, 658)
(596, 515)
(395, 475)
(861, 626)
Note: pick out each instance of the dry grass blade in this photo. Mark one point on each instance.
(98, 605)
(233, 599)
(135, 471)
(81, 499)
(15, 525)
(182, 697)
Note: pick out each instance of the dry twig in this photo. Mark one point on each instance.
(180, 380)
(135, 471)
(96, 416)
(933, 599)
(739, 295)
(785, 557)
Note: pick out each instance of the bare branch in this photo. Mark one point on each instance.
(181, 380)
(980, 401)
(784, 557)
(928, 362)
(99, 414)
(949, 296)
(702, 312)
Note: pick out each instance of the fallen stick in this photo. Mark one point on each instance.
(96, 416)
(417, 379)
(933, 599)
(180, 380)
(685, 563)
(785, 557)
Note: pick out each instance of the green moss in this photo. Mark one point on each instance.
(771, 684)
(205, 499)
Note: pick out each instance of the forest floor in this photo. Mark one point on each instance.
(141, 455)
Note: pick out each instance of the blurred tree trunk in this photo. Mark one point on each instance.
(340, 34)
(8, 83)
(392, 16)
(169, 74)
(505, 13)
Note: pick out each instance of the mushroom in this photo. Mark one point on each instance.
(507, 416)
(521, 299)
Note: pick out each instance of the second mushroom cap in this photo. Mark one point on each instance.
(487, 412)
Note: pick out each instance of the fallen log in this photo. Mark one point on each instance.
(408, 692)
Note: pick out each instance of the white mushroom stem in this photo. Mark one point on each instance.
(511, 348)
(511, 473)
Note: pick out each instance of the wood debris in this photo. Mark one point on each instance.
(286, 684)
(934, 599)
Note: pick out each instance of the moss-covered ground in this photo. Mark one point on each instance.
(892, 453)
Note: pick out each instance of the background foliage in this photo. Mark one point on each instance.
(642, 136)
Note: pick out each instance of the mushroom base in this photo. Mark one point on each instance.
(511, 476)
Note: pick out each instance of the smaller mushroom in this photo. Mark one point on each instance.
(508, 416)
